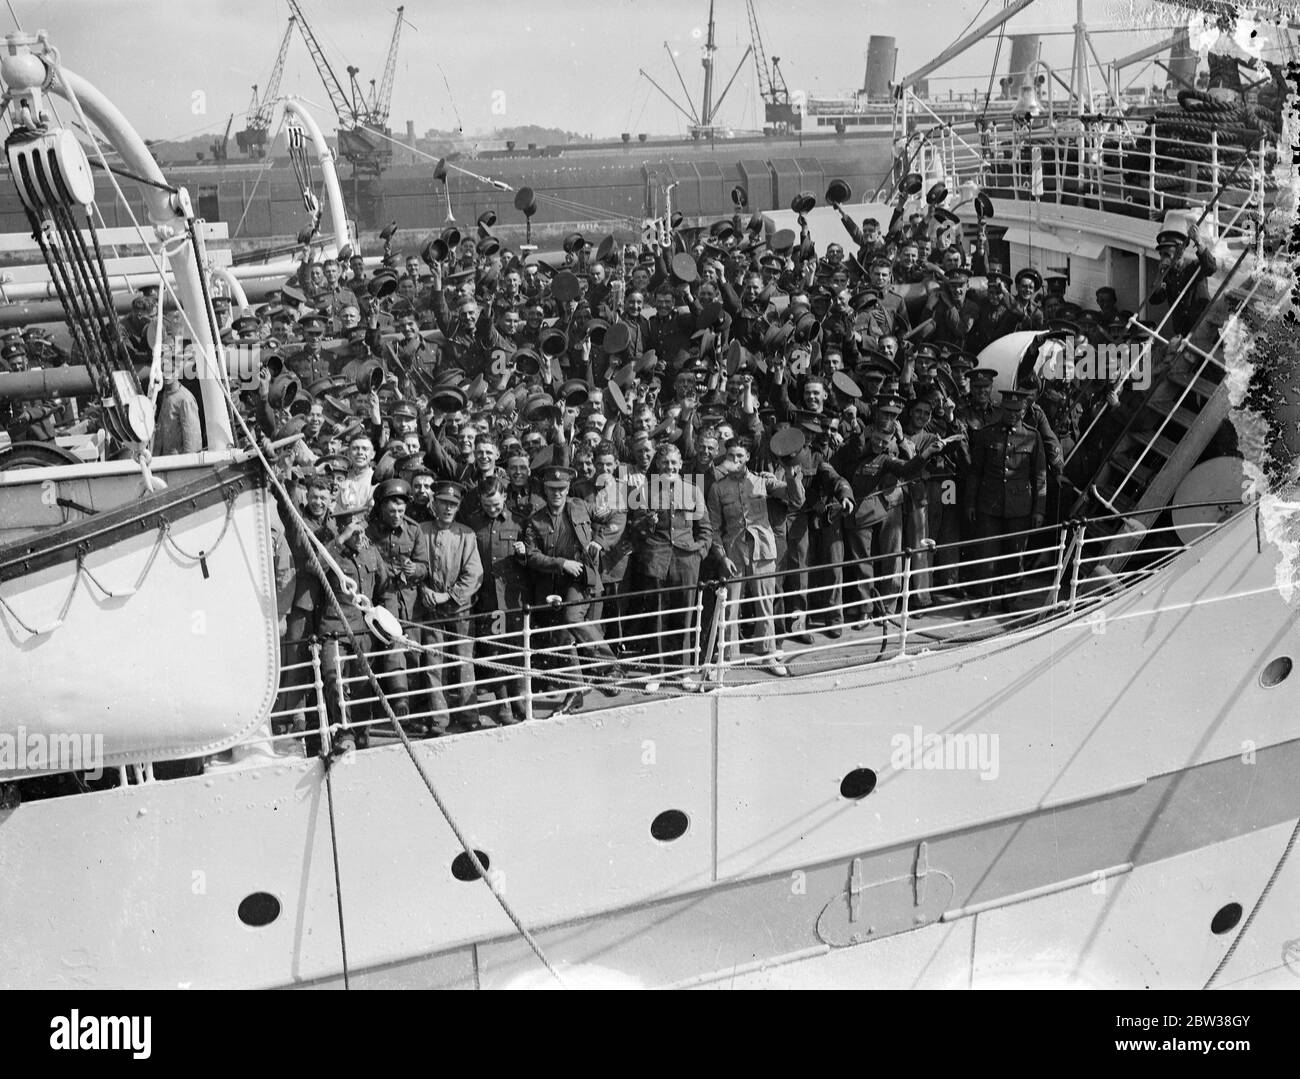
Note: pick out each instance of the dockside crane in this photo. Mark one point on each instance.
(363, 132)
(252, 140)
(218, 147)
(383, 100)
(778, 114)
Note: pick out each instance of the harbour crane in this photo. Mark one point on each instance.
(363, 136)
(252, 139)
(778, 114)
(218, 146)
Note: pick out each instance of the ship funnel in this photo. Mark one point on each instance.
(881, 55)
(1024, 54)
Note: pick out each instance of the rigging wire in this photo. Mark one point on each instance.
(451, 99)
(248, 204)
(310, 538)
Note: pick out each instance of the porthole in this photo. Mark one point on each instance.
(463, 869)
(858, 784)
(259, 909)
(1276, 672)
(669, 825)
(1226, 919)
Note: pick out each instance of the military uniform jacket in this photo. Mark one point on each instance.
(406, 541)
(742, 528)
(1199, 269)
(878, 481)
(308, 592)
(683, 526)
(454, 568)
(608, 525)
(549, 541)
(1008, 472)
(366, 568)
(308, 367)
(505, 580)
(825, 488)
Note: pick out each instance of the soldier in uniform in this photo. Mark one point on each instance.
(561, 552)
(997, 315)
(813, 535)
(880, 273)
(405, 551)
(1006, 494)
(1029, 313)
(671, 535)
(953, 312)
(745, 544)
(1186, 266)
(876, 466)
(520, 497)
(362, 563)
(501, 597)
(308, 593)
(310, 364)
(605, 495)
(446, 598)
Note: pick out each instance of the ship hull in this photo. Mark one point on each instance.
(1128, 776)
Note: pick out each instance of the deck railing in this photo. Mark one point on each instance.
(1141, 167)
(903, 612)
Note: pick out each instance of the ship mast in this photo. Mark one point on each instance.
(1080, 78)
(706, 106)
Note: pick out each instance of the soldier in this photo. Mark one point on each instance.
(1006, 494)
(405, 551)
(1186, 266)
(813, 536)
(880, 273)
(310, 364)
(876, 470)
(308, 593)
(744, 542)
(362, 563)
(520, 497)
(606, 498)
(953, 313)
(671, 535)
(501, 597)
(446, 598)
(421, 480)
(561, 552)
(997, 315)
(1029, 314)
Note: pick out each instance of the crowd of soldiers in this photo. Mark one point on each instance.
(592, 439)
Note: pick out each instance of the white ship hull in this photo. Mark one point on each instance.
(1144, 782)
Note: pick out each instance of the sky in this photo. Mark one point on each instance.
(180, 67)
